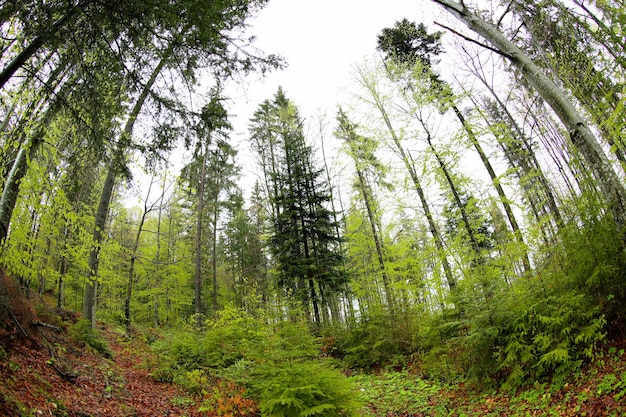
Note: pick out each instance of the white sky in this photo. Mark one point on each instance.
(320, 40)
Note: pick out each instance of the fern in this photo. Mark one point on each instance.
(309, 388)
(552, 337)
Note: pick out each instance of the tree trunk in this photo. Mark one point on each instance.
(496, 183)
(525, 157)
(89, 302)
(581, 136)
(34, 46)
(408, 163)
(133, 258)
(198, 240)
(117, 161)
(455, 195)
(214, 255)
(18, 170)
(376, 237)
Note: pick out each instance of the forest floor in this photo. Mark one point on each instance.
(44, 372)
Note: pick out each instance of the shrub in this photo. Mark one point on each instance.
(553, 337)
(83, 332)
(309, 388)
(227, 340)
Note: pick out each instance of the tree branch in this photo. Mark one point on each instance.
(467, 38)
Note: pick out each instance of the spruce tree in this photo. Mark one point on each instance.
(303, 238)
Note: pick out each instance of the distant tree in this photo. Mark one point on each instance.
(245, 255)
(303, 231)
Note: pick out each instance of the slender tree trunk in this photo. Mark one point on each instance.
(18, 170)
(198, 240)
(89, 302)
(214, 256)
(118, 159)
(376, 237)
(133, 258)
(432, 226)
(35, 45)
(528, 161)
(410, 167)
(455, 195)
(580, 134)
(496, 183)
(157, 256)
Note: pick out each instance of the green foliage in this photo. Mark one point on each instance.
(595, 262)
(226, 341)
(277, 364)
(394, 393)
(372, 343)
(308, 388)
(553, 336)
(195, 382)
(83, 332)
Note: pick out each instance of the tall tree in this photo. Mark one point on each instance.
(208, 177)
(369, 83)
(303, 238)
(362, 152)
(566, 45)
(408, 45)
(203, 38)
(580, 134)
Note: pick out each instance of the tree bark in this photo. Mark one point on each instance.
(580, 134)
(117, 161)
(133, 258)
(198, 240)
(18, 170)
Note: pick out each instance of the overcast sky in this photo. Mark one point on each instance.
(320, 40)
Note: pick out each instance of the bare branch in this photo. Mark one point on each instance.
(467, 38)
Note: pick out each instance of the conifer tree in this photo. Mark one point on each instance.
(303, 236)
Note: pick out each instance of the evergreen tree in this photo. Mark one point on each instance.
(303, 236)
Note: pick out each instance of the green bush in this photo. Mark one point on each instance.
(552, 337)
(83, 332)
(278, 364)
(194, 382)
(309, 388)
(232, 337)
(374, 342)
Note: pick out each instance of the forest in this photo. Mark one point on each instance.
(441, 229)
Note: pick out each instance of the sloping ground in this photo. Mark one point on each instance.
(43, 372)
(47, 374)
(597, 390)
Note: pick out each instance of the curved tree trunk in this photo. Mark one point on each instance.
(581, 135)
(117, 161)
